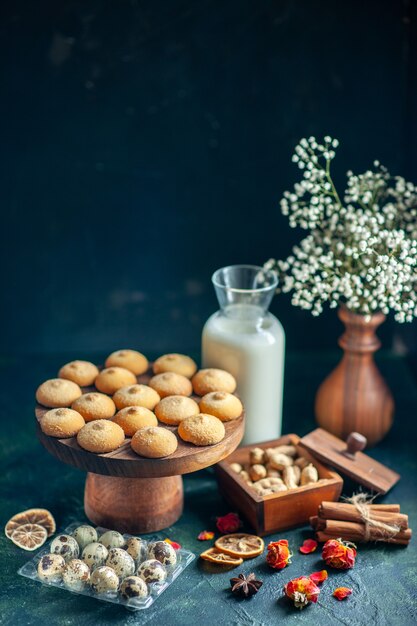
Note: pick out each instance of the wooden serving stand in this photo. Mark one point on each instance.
(129, 493)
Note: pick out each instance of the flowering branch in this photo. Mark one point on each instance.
(361, 251)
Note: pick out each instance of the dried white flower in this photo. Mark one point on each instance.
(362, 249)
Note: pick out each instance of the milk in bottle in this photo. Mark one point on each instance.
(249, 342)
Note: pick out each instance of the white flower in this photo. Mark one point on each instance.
(362, 251)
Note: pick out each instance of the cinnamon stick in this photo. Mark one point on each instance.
(390, 508)
(357, 530)
(349, 513)
(324, 536)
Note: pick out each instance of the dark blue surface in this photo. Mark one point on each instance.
(383, 580)
(145, 144)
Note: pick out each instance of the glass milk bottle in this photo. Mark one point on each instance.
(249, 342)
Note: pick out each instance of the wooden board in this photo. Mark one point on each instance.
(277, 511)
(126, 463)
(362, 468)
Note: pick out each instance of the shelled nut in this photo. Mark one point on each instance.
(278, 488)
(271, 471)
(297, 473)
(256, 472)
(279, 461)
(275, 480)
(309, 475)
(274, 470)
(256, 456)
(261, 491)
(287, 450)
(264, 483)
(268, 452)
(244, 474)
(301, 462)
(290, 477)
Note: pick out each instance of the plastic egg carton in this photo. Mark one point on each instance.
(184, 558)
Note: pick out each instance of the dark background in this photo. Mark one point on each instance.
(147, 143)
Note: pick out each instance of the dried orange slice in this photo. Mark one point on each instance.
(29, 536)
(217, 556)
(31, 516)
(240, 545)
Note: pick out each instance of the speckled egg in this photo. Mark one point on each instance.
(104, 579)
(133, 587)
(112, 539)
(76, 574)
(66, 546)
(51, 567)
(121, 562)
(95, 554)
(152, 571)
(137, 548)
(162, 552)
(84, 535)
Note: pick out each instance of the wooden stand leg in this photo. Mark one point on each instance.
(134, 505)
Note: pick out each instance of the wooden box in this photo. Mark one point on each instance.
(277, 511)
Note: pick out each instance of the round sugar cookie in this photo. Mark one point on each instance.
(177, 363)
(133, 418)
(202, 430)
(171, 384)
(83, 373)
(113, 378)
(94, 406)
(173, 409)
(213, 379)
(132, 360)
(221, 404)
(101, 436)
(61, 423)
(136, 395)
(57, 392)
(154, 442)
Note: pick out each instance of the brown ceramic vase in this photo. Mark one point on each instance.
(355, 397)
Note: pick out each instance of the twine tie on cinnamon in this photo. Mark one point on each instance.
(361, 502)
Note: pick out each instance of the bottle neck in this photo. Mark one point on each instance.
(249, 313)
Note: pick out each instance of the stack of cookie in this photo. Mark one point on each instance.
(102, 408)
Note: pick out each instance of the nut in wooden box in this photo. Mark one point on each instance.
(282, 510)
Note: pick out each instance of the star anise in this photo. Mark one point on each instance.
(245, 586)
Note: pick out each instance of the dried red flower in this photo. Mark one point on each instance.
(205, 535)
(341, 593)
(229, 523)
(319, 577)
(309, 545)
(339, 554)
(279, 555)
(174, 544)
(302, 590)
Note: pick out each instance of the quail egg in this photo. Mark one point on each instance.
(66, 546)
(95, 554)
(133, 587)
(112, 539)
(50, 568)
(121, 562)
(152, 571)
(76, 574)
(84, 535)
(136, 547)
(104, 579)
(162, 552)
